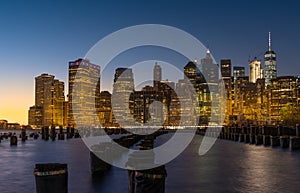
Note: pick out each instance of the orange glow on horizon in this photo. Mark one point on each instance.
(14, 105)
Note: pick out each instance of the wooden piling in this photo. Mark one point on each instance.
(23, 135)
(13, 140)
(51, 178)
(266, 140)
(298, 130)
(294, 143)
(284, 141)
(275, 141)
(252, 138)
(247, 138)
(258, 139)
(241, 137)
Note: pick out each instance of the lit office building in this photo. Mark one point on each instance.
(184, 105)
(270, 64)
(237, 99)
(105, 110)
(84, 93)
(44, 97)
(238, 71)
(35, 116)
(122, 105)
(226, 76)
(58, 102)
(283, 90)
(210, 88)
(142, 101)
(156, 76)
(49, 98)
(168, 93)
(255, 70)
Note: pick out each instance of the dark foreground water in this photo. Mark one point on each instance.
(227, 167)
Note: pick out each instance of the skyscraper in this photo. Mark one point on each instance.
(105, 111)
(35, 116)
(270, 64)
(142, 100)
(226, 76)
(58, 102)
(209, 69)
(49, 98)
(156, 76)
(226, 68)
(122, 105)
(255, 70)
(238, 79)
(283, 91)
(84, 93)
(238, 71)
(210, 88)
(44, 97)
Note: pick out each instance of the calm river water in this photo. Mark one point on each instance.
(227, 167)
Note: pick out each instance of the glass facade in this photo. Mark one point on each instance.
(84, 93)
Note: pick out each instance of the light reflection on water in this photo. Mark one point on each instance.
(227, 167)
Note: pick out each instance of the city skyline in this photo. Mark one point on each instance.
(246, 96)
(38, 40)
(252, 78)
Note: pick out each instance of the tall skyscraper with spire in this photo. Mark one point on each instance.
(270, 64)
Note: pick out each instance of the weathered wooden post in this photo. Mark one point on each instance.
(13, 140)
(284, 141)
(53, 133)
(241, 137)
(45, 133)
(98, 166)
(23, 135)
(258, 139)
(146, 181)
(298, 130)
(266, 140)
(61, 135)
(275, 141)
(247, 138)
(294, 143)
(252, 138)
(35, 135)
(50, 178)
(279, 130)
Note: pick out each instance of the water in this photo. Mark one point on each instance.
(227, 167)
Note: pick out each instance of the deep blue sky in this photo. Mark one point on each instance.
(42, 36)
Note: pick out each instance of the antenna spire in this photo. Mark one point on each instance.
(269, 47)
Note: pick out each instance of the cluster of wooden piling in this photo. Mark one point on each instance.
(274, 136)
(14, 139)
(46, 133)
(98, 166)
(149, 180)
(52, 133)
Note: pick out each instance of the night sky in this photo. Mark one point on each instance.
(42, 36)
